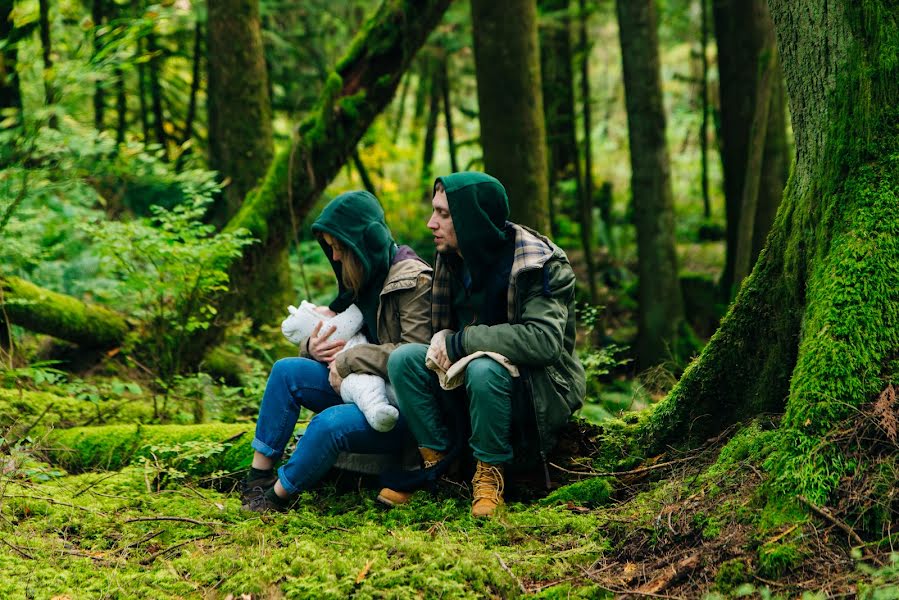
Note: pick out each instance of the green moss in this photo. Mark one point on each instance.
(731, 575)
(778, 559)
(589, 492)
(113, 447)
(20, 409)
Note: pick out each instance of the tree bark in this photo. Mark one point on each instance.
(745, 34)
(47, 54)
(196, 76)
(10, 93)
(448, 113)
(99, 96)
(813, 328)
(121, 107)
(510, 101)
(704, 93)
(240, 114)
(660, 311)
(435, 93)
(585, 181)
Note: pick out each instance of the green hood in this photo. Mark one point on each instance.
(479, 207)
(357, 220)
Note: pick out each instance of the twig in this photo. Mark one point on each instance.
(7, 445)
(93, 483)
(156, 555)
(182, 519)
(146, 538)
(823, 512)
(17, 549)
(631, 472)
(506, 568)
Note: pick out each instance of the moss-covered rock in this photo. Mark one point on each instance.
(589, 492)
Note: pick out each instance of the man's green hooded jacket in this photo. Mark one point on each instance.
(538, 289)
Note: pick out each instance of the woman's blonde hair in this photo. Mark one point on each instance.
(351, 268)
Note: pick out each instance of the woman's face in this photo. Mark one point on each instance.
(336, 253)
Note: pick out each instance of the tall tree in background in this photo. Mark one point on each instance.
(746, 54)
(240, 114)
(661, 308)
(507, 67)
(10, 94)
(47, 54)
(813, 328)
(240, 135)
(99, 96)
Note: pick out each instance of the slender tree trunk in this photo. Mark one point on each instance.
(10, 94)
(585, 182)
(240, 117)
(704, 127)
(558, 98)
(367, 183)
(99, 99)
(142, 94)
(745, 34)
(121, 107)
(401, 108)
(661, 311)
(757, 132)
(448, 113)
(47, 54)
(814, 323)
(510, 101)
(188, 134)
(435, 94)
(156, 94)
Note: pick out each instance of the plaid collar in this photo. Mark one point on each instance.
(532, 251)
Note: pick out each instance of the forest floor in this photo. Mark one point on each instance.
(682, 525)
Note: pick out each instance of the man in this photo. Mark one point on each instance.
(503, 288)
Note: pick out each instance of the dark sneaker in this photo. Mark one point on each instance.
(267, 502)
(254, 488)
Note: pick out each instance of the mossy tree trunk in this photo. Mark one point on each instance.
(661, 310)
(510, 104)
(10, 93)
(745, 37)
(813, 330)
(240, 113)
(241, 140)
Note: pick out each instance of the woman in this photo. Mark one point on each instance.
(391, 285)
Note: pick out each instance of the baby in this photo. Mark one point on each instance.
(368, 392)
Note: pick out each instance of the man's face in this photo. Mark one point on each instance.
(441, 224)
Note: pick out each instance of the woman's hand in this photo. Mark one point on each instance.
(325, 311)
(334, 377)
(320, 348)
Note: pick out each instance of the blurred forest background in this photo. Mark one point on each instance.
(160, 165)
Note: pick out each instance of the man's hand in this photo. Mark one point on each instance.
(334, 377)
(438, 348)
(320, 348)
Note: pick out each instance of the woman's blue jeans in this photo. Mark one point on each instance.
(337, 427)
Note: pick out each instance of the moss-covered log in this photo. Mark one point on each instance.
(60, 316)
(815, 327)
(116, 446)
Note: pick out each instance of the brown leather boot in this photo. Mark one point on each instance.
(488, 489)
(395, 497)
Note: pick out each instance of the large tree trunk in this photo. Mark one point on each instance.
(745, 38)
(816, 321)
(661, 310)
(510, 101)
(240, 138)
(240, 113)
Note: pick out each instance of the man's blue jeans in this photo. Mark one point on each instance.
(338, 427)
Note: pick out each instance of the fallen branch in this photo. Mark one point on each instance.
(506, 568)
(17, 549)
(156, 555)
(826, 514)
